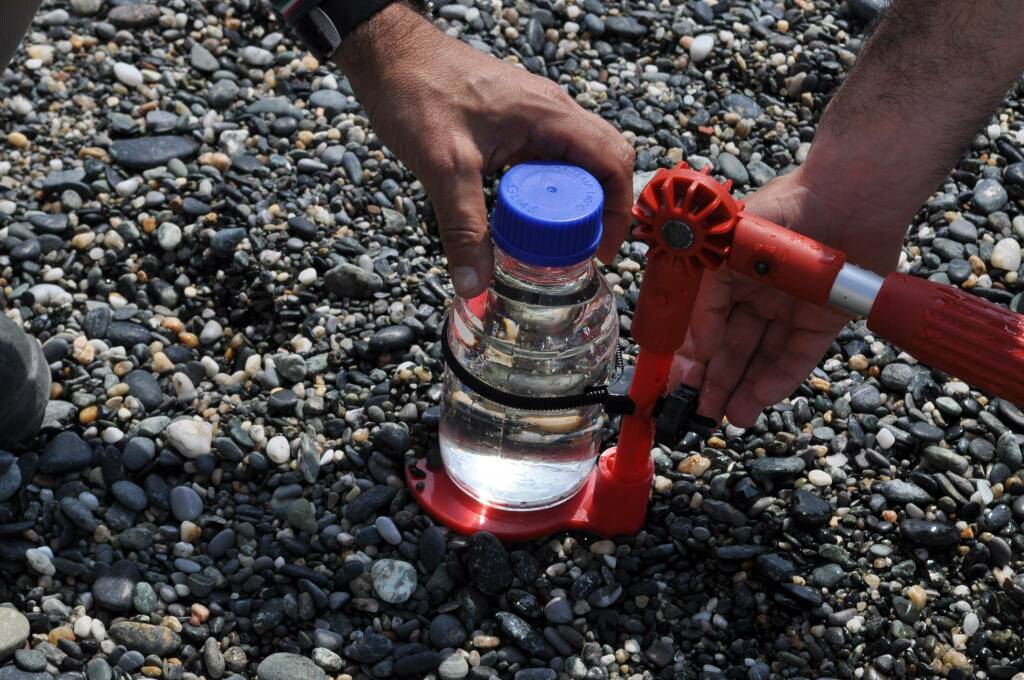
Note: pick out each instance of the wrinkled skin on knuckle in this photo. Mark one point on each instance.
(461, 234)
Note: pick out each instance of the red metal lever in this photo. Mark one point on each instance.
(956, 332)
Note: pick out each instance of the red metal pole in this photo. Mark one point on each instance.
(632, 457)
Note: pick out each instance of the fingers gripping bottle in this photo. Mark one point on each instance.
(547, 327)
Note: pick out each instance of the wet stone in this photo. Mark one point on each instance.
(810, 510)
(772, 469)
(774, 567)
(521, 633)
(391, 339)
(929, 534)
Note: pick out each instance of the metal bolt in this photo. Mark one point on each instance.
(677, 234)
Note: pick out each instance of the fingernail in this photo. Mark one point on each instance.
(464, 279)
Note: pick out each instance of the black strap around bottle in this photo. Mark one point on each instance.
(596, 395)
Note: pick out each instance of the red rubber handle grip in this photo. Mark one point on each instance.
(953, 331)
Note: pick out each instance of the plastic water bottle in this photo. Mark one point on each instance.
(546, 327)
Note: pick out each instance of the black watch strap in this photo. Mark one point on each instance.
(323, 24)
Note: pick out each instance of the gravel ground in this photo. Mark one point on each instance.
(239, 292)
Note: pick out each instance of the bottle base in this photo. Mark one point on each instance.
(518, 485)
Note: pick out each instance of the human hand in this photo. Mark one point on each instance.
(750, 346)
(453, 114)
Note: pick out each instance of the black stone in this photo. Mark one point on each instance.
(809, 510)
(143, 386)
(391, 339)
(113, 589)
(929, 534)
(366, 504)
(370, 648)
(522, 633)
(127, 334)
(151, 152)
(67, 452)
(488, 563)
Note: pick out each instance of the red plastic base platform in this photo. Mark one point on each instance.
(604, 506)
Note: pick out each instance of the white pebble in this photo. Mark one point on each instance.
(307, 276)
(885, 439)
(40, 561)
(971, 624)
(50, 295)
(169, 235)
(984, 494)
(278, 450)
(819, 478)
(1006, 255)
(83, 627)
(128, 74)
(701, 47)
(127, 187)
(257, 56)
(210, 366)
(211, 332)
(112, 435)
(190, 438)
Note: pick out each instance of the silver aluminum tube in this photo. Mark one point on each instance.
(855, 290)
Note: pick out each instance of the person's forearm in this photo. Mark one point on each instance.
(924, 84)
(15, 17)
(387, 38)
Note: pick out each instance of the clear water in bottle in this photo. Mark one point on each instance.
(547, 326)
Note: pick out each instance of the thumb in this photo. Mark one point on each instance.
(462, 220)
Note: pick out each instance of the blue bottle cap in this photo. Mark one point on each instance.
(548, 214)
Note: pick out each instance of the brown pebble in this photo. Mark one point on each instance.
(917, 596)
(61, 633)
(221, 161)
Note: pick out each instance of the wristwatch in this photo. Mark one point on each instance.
(323, 24)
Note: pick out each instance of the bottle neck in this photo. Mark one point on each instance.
(535, 276)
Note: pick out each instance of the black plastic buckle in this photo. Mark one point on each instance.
(676, 415)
